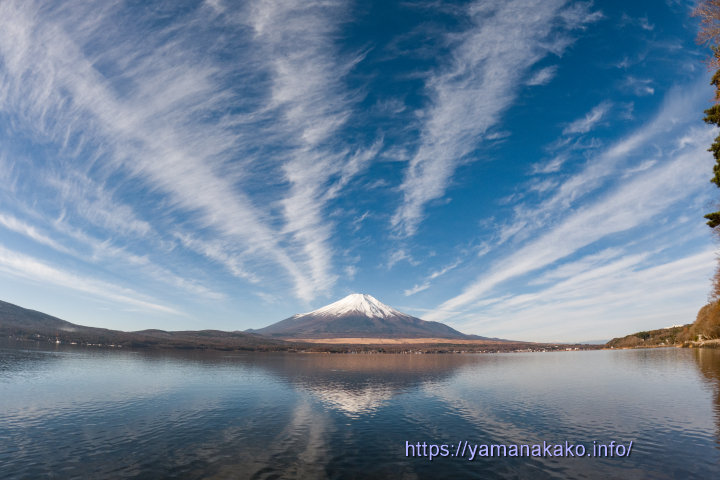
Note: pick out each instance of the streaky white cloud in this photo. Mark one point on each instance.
(590, 120)
(678, 108)
(218, 251)
(551, 166)
(108, 254)
(93, 250)
(543, 76)
(24, 266)
(584, 264)
(63, 238)
(542, 186)
(308, 92)
(600, 270)
(647, 164)
(469, 95)
(416, 289)
(79, 195)
(350, 272)
(155, 123)
(400, 255)
(18, 226)
(642, 22)
(579, 14)
(631, 204)
(639, 86)
(635, 288)
(426, 283)
(645, 24)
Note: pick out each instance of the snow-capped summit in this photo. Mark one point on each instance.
(358, 315)
(357, 303)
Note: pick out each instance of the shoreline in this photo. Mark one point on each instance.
(323, 348)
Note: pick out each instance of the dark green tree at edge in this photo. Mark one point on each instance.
(712, 116)
(709, 13)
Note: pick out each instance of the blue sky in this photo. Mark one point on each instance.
(534, 170)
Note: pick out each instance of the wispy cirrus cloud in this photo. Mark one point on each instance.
(480, 83)
(627, 287)
(428, 280)
(313, 104)
(27, 267)
(590, 120)
(634, 202)
(16, 225)
(145, 105)
(642, 22)
(639, 86)
(215, 153)
(92, 251)
(146, 133)
(552, 165)
(604, 165)
(543, 76)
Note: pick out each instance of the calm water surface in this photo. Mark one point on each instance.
(90, 413)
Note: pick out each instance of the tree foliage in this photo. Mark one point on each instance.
(709, 13)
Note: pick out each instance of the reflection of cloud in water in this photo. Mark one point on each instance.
(86, 381)
(300, 450)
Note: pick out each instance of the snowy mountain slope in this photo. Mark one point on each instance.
(357, 303)
(358, 315)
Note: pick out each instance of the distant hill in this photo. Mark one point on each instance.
(359, 315)
(13, 315)
(23, 323)
(705, 331)
(653, 338)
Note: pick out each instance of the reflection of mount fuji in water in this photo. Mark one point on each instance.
(359, 316)
(359, 384)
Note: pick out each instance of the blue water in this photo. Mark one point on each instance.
(92, 413)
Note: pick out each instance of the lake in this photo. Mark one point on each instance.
(71, 412)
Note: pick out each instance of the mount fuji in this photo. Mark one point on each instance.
(358, 315)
